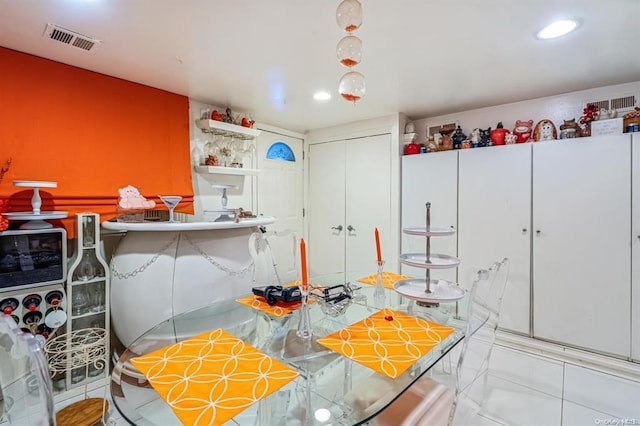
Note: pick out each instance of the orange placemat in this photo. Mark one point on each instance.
(277, 310)
(388, 279)
(213, 376)
(388, 341)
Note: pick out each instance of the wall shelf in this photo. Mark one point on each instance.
(238, 171)
(227, 129)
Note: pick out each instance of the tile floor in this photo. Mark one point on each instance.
(532, 390)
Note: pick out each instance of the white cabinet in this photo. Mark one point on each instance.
(430, 178)
(581, 242)
(350, 189)
(635, 248)
(494, 220)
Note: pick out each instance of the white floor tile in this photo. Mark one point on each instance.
(513, 404)
(538, 373)
(602, 392)
(577, 415)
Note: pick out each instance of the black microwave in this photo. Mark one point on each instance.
(32, 258)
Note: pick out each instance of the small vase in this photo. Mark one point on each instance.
(586, 131)
(304, 326)
(379, 292)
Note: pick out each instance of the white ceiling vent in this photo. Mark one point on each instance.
(69, 37)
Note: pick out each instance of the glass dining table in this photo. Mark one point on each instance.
(323, 391)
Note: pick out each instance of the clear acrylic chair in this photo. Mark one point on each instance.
(274, 254)
(428, 402)
(27, 396)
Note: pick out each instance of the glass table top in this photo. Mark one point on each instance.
(317, 395)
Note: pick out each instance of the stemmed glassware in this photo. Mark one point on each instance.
(171, 201)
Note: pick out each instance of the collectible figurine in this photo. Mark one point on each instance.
(545, 131)
(522, 130)
(485, 140)
(458, 137)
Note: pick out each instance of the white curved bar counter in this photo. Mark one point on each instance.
(161, 269)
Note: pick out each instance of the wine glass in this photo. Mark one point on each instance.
(171, 201)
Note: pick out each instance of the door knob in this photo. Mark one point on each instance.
(338, 228)
(350, 228)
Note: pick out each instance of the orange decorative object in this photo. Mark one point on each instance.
(277, 310)
(378, 250)
(303, 263)
(388, 341)
(388, 279)
(212, 377)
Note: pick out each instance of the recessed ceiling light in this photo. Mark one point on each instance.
(557, 29)
(322, 96)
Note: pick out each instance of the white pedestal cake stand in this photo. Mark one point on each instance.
(36, 218)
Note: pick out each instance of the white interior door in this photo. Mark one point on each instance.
(368, 201)
(494, 221)
(581, 256)
(635, 249)
(430, 178)
(326, 246)
(281, 183)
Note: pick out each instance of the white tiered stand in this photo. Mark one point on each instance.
(425, 291)
(36, 218)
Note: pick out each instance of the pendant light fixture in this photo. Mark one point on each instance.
(349, 50)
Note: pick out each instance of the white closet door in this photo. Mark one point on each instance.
(430, 178)
(494, 199)
(326, 246)
(368, 201)
(635, 249)
(582, 261)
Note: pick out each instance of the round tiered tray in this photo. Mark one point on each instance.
(427, 291)
(442, 291)
(36, 217)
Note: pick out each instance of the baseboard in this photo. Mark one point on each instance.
(606, 364)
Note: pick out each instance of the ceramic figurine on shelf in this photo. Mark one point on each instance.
(458, 137)
(447, 142)
(485, 140)
(246, 122)
(498, 134)
(474, 137)
(606, 114)
(545, 131)
(215, 115)
(510, 139)
(570, 129)
(434, 142)
(228, 116)
(523, 130)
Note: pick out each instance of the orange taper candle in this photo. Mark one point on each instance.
(378, 251)
(303, 263)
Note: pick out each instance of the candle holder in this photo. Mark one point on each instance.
(379, 293)
(304, 326)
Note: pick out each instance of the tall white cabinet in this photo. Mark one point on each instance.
(430, 178)
(494, 221)
(635, 248)
(581, 255)
(350, 189)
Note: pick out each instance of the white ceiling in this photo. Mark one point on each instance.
(420, 57)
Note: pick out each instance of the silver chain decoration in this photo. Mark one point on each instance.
(234, 273)
(140, 269)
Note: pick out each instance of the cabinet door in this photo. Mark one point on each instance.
(635, 249)
(326, 248)
(430, 178)
(582, 261)
(494, 220)
(368, 201)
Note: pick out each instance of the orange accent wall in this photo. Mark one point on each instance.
(92, 134)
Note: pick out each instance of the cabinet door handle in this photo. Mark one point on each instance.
(338, 228)
(350, 228)
(524, 230)
(538, 232)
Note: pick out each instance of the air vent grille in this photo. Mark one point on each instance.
(620, 104)
(626, 102)
(71, 38)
